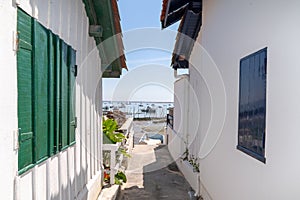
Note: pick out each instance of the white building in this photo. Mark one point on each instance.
(52, 95)
(237, 110)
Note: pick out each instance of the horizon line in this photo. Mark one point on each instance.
(137, 101)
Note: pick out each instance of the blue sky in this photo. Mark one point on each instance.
(150, 77)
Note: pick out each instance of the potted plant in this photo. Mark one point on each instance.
(110, 136)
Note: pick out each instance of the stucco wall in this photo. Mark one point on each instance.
(8, 100)
(230, 31)
(76, 171)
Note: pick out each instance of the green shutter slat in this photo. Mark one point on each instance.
(64, 95)
(24, 74)
(25, 157)
(24, 26)
(71, 64)
(40, 91)
(51, 94)
(57, 77)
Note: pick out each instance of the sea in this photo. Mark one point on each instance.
(139, 109)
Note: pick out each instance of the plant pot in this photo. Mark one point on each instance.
(106, 140)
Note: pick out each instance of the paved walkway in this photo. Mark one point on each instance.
(152, 175)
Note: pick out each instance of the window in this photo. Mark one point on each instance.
(46, 75)
(252, 105)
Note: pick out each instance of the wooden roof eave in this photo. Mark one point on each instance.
(110, 24)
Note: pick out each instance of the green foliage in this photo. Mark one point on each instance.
(109, 128)
(191, 159)
(120, 178)
(185, 154)
(123, 151)
(109, 125)
(194, 162)
(116, 137)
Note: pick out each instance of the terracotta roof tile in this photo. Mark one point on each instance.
(119, 32)
(164, 10)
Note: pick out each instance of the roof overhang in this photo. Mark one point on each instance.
(191, 21)
(104, 25)
(172, 11)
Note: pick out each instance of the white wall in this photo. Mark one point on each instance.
(185, 128)
(8, 100)
(76, 171)
(178, 137)
(231, 30)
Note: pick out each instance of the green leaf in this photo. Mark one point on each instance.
(109, 128)
(110, 125)
(123, 151)
(120, 178)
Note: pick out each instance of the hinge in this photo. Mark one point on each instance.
(95, 31)
(16, 39)
(16, 138)
(75, 125)
(74, 70)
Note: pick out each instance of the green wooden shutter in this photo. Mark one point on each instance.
(24, 73)
(46, 92)
(64, 108)
(40, 91)
(72, 97)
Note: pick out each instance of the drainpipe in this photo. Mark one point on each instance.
(187, 110)
(198, 191)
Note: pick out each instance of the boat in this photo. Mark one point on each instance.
(151, 138)
(148, 110)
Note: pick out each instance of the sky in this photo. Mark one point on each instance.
(149, 76)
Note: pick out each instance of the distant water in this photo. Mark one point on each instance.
(139, 109)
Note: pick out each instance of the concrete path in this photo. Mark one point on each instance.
(152, 175)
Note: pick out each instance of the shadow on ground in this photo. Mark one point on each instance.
(152, 174)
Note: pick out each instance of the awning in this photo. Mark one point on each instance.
(172, 11)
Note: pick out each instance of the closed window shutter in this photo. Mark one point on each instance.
(46, 106)
(24, 73)
(64, 107)
(40, 90)
(72, 74)
(252, 105)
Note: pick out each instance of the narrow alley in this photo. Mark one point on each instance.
(152, 174)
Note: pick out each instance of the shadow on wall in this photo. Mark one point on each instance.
(70, 193)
